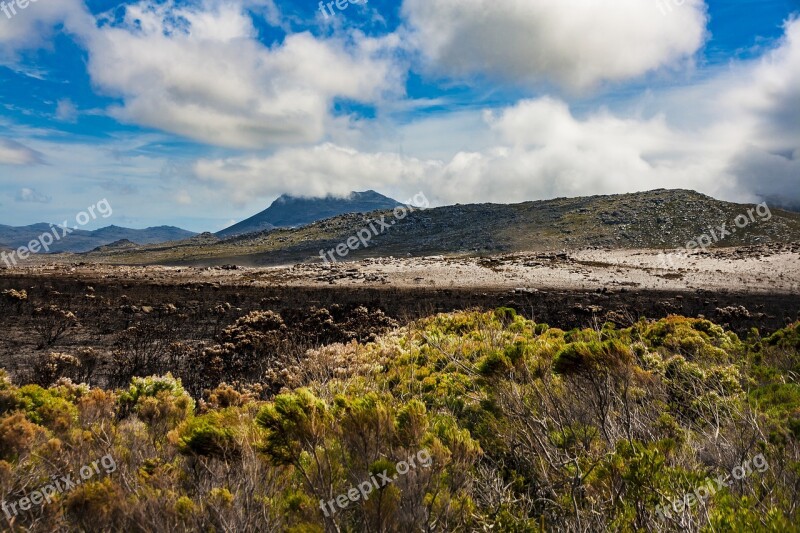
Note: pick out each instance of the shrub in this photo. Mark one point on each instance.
(11, 298)
(209, 435)
(47, 369)
(96, 506)
(592, 356)
(694, 338)
(18, 436)
(291, 421)
(47, 408)
(161, 402)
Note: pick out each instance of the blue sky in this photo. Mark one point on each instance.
(199, 113)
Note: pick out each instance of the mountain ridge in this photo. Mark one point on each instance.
(661, 219)
(80, 240)
(289, 211)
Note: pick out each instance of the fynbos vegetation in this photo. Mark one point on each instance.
(527, 427)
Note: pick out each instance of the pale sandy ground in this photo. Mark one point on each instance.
(588, 269)
(764, 269)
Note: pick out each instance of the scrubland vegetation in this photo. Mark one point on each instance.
(529, 427)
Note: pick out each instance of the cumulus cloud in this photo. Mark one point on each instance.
(545, 152)
(542, 151)
(574, 43)
(200, 71)
(775, 178)
(767, 161)
(14, 153)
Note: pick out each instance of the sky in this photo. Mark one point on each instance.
(199, 114)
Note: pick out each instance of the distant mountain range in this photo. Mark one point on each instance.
(291, 211)
(285, 212)
(79, 240)
(661, 219)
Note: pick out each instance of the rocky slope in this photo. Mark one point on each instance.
(661, 219)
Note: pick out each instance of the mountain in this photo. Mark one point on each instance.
(291, 211)
(153, 235)
(82, 240)
(661, 219)
(122, 244)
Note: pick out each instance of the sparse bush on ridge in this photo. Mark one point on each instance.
(527, 426)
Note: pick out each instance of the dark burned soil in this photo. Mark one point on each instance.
(565, 309)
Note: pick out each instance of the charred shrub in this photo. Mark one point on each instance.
(254, 343)
(52, 323)
(47, 369)
(323, 326)
(144, 349)
(11, 299)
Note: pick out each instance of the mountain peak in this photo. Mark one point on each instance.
(289, 211)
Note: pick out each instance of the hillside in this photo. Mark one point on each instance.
(661, 219)
(290, 211)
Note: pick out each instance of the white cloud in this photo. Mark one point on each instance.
(28, 195)
(575, 43)
(14, 153)
(200, 72)
(33, 26)
(66, 110)
(541, 151)
(765, 103)
(318, 171)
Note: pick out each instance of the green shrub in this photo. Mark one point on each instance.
(209, 435)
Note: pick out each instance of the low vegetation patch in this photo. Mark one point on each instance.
(526, 427)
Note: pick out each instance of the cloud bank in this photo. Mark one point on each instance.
(747, 151)
(574, 43)
(200, 72)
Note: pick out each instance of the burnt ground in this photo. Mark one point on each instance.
(562, 308)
